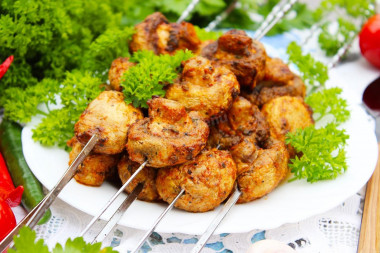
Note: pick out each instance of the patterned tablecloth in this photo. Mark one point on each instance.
(334, 231)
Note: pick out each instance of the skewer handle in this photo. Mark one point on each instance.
(35, 215)
(215, 223)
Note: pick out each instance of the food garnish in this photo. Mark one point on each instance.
(323, 156)
(348, 14)
(26, 242)
(313, 72)
(8, 192)
(150, 75)
(7, 219)
(76, 91)
(328, 102)
(321, 149)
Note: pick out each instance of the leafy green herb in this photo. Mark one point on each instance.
(21, 104)
(331, 43)
(78, 89)
(327, 102)
(26, 242)
(111, 44)
(313, 72)
(49, 38)
(149, 76)
(322, 151)
(350, 16)
(300, 17)
(204, 35)
(323, 155)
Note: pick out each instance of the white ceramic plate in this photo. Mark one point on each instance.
(290, 202)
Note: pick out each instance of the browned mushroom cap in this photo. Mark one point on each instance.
(109, 117)
(207, 180)
(243, 120)
(145, 37)
(118, 68)
(260, 170)
(204, 88)
(155, 33)
(279, 81)
(147, 176)
(95, 168)
(243, 56)
(168, 137)
(287, 114)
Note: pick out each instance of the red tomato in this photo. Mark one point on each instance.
(7, 220)
(369, 40)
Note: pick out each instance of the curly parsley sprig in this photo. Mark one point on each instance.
(328, 102)
(323, 155)
(26, 242)
(350, 16)
(322, 150)
(150, 75)
(314, 73)
(77, 90)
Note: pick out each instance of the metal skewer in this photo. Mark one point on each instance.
(273, 18)
(35, 215)
(270, 17)
(148, 233)
(97, 217)
(187, 11)
(341, 52)
(108, 227)
(221, 16)
(218, 218)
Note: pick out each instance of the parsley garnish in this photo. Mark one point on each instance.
(77, 90)
(323, 155)
(314, 73)
(150, 75)
(322, 150)
(26, 242)
(350, 16)
(21, 104)
(327, 102)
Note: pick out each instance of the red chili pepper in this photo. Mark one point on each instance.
(8, 192)
(7, 220)
(5, 65)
